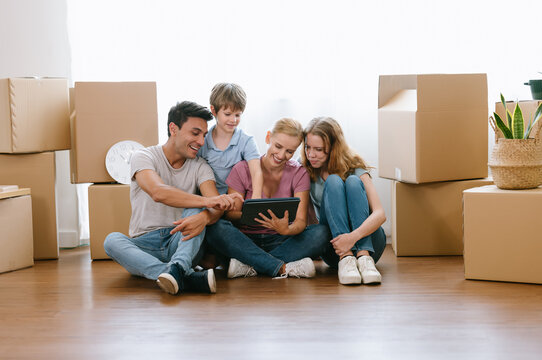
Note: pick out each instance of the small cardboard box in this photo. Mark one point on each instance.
(34, 115)
(105, 113)
(109, 211)
(427, 219)
(432, 127)
(37, 172)
(503, 239)
(528, 108)
(16, 239)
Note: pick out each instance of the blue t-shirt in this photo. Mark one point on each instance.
(241, 147)
(317, 191)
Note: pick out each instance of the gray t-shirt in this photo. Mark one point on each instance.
(149, 215)
(317, 191)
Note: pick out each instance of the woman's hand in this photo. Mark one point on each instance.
(343, 243)
(280, 225)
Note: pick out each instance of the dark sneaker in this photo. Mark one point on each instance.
(171, 281)
(201, 281)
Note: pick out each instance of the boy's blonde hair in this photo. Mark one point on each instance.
(289, 127)
(228, 95)
(342, 159)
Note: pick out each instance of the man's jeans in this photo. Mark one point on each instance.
(266, 253)
(344, 208)
(152, 253)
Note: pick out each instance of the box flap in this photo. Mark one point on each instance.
(389, 85)
(452, 92)
(403, 100)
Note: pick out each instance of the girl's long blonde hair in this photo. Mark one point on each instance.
(342, 159)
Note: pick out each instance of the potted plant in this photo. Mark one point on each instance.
(516, 160)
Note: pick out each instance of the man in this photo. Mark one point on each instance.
(168, 220)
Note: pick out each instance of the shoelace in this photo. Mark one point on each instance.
(249, 271)
(367, 264)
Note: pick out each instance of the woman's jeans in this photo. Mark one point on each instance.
(344, 208)
(266, 253)
(152, 253)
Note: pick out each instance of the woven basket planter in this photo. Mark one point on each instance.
(517, 163)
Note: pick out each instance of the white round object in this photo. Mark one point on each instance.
(118, 160)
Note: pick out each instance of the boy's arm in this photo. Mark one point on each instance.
(255, 168)
(235, 215)
(193, 225)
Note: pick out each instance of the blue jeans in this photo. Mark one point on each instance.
(266, 253)
(152, 253)
(344, 208)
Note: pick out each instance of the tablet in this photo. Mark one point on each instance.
(252, 207)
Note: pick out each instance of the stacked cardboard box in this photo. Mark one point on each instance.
(502, 234)
(16, 240)
(34, 122)
(104, 113)
(109, 211)
(432, 136)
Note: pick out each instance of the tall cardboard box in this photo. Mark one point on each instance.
(37, 172)
(15, 230)
(34, 115)
(432, 127)
(503, 237)
(427, 219)
(104, 114)
(109, 211)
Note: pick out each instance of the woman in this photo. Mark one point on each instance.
(345, 199)
(275, 247)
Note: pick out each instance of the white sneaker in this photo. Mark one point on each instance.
(369, 274)
(348, 271)
(300, 268)
(238, 269)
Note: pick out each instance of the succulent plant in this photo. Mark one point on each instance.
(515, 128)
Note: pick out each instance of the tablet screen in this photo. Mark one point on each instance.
(252, 207)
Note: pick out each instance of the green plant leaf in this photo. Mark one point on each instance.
(517, 123)
(500, 124)
(507, 112)
(537, 116)
(537, 113)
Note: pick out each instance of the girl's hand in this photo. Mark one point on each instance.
(343, 243)
(280, 225)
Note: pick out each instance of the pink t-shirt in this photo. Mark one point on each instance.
(294, 179)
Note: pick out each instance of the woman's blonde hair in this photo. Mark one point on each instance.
(342, 159)
(289, 127)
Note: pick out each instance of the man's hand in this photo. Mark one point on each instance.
(280, 225)
(191, 226)
(224, 202)
(343, 243)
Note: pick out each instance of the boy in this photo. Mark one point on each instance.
(225, 144)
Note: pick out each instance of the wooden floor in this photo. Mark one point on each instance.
(74, 308)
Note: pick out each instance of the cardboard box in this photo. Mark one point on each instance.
(104, 114)
(427, 219)
(37, 172)
(432, 127)
(503, 239)
(109, 211)
(34, 115)
(528, 108)
(16, 239)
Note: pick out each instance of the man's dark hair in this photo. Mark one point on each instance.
(180, 113)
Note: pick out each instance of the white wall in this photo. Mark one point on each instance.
(304, 58)
(34, 42)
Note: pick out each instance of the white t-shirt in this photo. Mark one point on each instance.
(149, 215)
